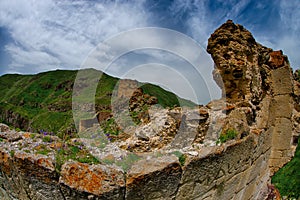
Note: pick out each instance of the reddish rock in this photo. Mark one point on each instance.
(276, 59)
(229, 107)
(203, 112)
(94, 179)
(38, 166)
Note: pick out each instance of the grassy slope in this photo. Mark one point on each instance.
(287, 179)
(165, 98)
(45, 99)
(39, 97)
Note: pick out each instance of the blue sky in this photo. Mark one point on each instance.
(38, 36)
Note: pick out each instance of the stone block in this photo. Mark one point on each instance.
(276, 163)
(282, 81)
(157, 178)
(244, 179)
(282, 106)
(282, 135)
(262, 117)
(256, 168)
(249, 190)
(230, 188)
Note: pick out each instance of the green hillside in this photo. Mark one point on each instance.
(44, 101)
(287, 179)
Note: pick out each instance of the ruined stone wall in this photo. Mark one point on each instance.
(252, 74)
(281, 112)
(236, 170)
(261, 102)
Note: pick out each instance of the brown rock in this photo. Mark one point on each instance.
(4, 127)
(237, 58)
(102, 116)
(203, 112)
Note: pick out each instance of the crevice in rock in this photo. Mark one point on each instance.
(125, 188)
(179, 185)
(62, 193)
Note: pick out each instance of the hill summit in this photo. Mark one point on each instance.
(43, 102)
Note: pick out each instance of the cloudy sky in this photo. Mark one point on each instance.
(38, 36)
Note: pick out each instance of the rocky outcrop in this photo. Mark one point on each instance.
(15, 119)
(239, 63)
(227, 149)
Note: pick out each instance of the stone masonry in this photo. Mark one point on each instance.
(260, 103)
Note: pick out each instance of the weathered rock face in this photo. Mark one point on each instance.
(239, 63)
(14, 118)
(227, 149)
(250, 73)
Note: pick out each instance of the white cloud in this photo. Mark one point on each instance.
(290, 30)
(61, 33)
(165, 76)
(156, 45)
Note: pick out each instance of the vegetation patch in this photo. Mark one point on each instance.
(47, 138)
(126, 163)
(76, 153)
(46, 100)
(110, 127)
(181, 157)
(32, 135)
(229, 134)
(44, 151)
(287, 179)
(12, 153)
(165, 98)
(297, 73)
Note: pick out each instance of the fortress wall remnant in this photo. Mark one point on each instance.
(258, 84)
